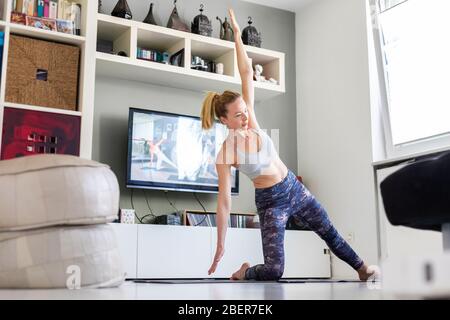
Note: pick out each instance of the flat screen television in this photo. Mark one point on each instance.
(169, 151)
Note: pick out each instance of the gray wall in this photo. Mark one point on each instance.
(334, 120)
(114, 97)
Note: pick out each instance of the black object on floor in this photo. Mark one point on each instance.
(208, 281)
(317, 281)
(197, 281)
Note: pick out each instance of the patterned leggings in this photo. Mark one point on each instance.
(275, 205)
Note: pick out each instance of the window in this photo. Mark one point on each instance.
(415, 51)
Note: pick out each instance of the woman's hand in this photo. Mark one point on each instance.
(219, 254)
(234, 24)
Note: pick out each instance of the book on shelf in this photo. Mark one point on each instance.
(208, 219)
(2, 44)
(44, 14)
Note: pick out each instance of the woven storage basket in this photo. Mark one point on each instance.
(42, 73)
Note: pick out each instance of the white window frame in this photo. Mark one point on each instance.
(426, 145)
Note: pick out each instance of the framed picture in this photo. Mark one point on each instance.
(19, 18)
(41, 23)
(65, 26)
(29, 132)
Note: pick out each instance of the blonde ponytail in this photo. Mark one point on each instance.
(208, 110)
(215, 106)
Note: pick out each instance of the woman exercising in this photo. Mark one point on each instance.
(278, 193)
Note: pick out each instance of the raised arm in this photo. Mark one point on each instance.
(223, 212)
(245, 72)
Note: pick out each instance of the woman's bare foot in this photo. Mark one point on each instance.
(365, 272)
(240, 274)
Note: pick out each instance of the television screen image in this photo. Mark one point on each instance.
(172, 152)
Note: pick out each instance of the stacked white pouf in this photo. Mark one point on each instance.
(54, 211)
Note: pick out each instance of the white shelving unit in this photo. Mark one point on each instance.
(128, 35)
(87, 44)
(42, 109)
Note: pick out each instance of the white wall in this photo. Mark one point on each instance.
(334, 120)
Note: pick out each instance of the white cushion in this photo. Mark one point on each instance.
(47, 190)
(42, 258)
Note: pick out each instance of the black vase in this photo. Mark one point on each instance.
(122, 10)
(149, 18)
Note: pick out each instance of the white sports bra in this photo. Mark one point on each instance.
(252, 164)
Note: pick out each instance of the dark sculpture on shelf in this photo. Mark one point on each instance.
(226, 32)
(201, 24)
(122, 10)
(149, 18)
(175, 21)
(250, 35)
(100, 9)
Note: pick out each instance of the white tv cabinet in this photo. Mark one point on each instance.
(168, 252)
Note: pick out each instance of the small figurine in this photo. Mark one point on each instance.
(258, 73)
(226, 31)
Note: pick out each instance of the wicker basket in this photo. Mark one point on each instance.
(42, 73)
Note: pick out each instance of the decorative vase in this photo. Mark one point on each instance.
(149, 18)
(122, 10)
(100, 9)
(175, 21)
(219, 68)
(226, 31)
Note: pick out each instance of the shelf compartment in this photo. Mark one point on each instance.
(174, 77)
(272, 63)
(41, 34)
(117, 33)
(217, 53)
(161, 41)
(159, 74)
(83, 18)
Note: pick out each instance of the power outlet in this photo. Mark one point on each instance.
(350, 237)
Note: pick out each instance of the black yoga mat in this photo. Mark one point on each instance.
(198, 281)
(203, 281)
(318, 281)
